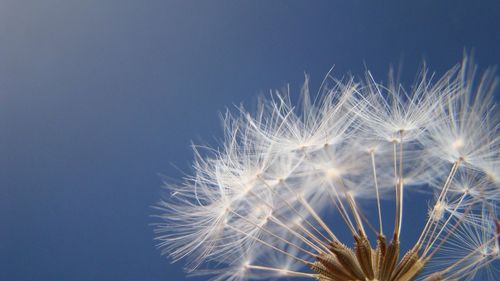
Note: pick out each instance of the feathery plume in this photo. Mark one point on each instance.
(301, 191)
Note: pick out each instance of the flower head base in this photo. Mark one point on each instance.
(261, 207)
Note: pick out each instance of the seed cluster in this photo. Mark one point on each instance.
(255, 208)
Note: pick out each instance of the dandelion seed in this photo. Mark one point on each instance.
(290, 192)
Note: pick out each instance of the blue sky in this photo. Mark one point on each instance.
(99, 99)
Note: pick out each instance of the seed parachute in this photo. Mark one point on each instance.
(319, 189)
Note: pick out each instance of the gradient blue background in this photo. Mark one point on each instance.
(98, 99)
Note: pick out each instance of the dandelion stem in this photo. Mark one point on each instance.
(401, 182)
(274, 235)
(298, 235)
(466, 269)
(282, 271)
(372, 154)
(269, 245)
(340, 206)
(354, 209)
(429, 246)
(430, 219)
(292, 208)
(452, 231)
(396, 187)
(308, 207)
(342, 209)
(277, 219)
(457, 263)
(365, 219)
(318, 218)
(448, 180)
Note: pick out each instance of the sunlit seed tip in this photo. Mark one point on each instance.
(332, 173)
(458, 143)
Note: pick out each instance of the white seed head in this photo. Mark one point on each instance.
(260, 205)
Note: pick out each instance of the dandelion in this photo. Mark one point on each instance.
(305, 191)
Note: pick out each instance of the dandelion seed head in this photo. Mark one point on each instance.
(267, 202)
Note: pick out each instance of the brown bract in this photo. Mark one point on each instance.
(363, 263)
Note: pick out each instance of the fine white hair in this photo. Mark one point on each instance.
(256, 207)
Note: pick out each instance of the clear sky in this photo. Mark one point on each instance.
(101, 98)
